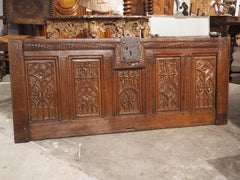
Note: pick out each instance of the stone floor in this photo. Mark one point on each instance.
(202, 152)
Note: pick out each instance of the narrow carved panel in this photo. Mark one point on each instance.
(87, 87)
(130, 99)
(205, 68)
(167, 84)
(41, 85)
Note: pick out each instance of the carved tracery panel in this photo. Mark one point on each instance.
(204, 80)
(41, 85)
(129, 93)
(87, 87)
(168, 83)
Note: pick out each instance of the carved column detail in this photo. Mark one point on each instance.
(41, 85)
(87, 88)
(205, 70)
(150, 6)
(167, 84)
(127, 7)
(130, 100)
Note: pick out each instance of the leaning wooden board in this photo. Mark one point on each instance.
(73, 87)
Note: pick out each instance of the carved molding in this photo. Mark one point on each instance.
(36, 45)
(178, 44)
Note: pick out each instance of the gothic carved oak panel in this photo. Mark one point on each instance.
(71, 87)
(28, 11)
(204, 74)
(168, 76)
(86, 78)
(41, 82)
(129, 93)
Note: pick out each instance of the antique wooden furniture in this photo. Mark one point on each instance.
(227, 26)
(72, 87)
(97, 27)
(63, 8)
(28, 12)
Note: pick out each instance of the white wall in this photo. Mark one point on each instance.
(179, 25)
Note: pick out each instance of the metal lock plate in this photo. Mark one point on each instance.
(130, 47)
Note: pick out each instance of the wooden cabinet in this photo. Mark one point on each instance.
(73, 87)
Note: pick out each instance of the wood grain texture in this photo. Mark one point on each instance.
(163, 7)
(70, 87)
(28, 12)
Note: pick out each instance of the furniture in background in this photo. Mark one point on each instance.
(227, 26)
(4, 65)
(3, 59)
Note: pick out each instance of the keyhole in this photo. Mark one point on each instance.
(130, 53)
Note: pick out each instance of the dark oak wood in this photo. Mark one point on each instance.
(28, 12)
(69, 87)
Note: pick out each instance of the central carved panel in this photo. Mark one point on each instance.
(130, 99)
(41, 84)
(87, 87)
(167, 84)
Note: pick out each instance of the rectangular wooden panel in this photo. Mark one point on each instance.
(86, 77)
(73, 87)
(129, 93)
(204, 82)
(42, 87)
(168, 85)
(28, 12)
